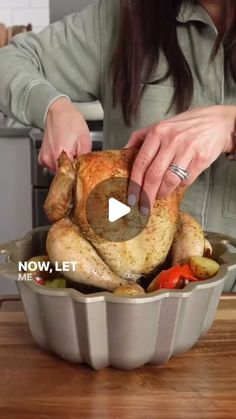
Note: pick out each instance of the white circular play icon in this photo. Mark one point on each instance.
(117, 210)
(109, 215)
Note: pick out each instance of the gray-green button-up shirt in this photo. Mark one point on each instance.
(73, 57)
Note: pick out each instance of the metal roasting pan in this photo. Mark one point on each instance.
(101, 329)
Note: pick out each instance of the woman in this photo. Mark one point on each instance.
(165, 73)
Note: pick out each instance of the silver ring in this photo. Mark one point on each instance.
(179, 171)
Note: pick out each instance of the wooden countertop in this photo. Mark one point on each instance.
(198, 384)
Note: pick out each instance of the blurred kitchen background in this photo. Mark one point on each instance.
(37, 12)
(24, 185)
(21, 12)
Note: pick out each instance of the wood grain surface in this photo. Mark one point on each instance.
(199, 384)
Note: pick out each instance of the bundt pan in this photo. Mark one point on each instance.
(101, 329)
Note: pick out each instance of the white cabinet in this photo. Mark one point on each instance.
(15, 188)
(15, 194)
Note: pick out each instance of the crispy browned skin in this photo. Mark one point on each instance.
(59, 199)
(142, 254)
(125, 259)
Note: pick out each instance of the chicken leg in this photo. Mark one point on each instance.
(65, 243)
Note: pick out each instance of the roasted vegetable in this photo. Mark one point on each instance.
(39, 280)
(203, 268)
(43, 268)
(44, 273)
(129, 289)
(56, 283)
(172, 278)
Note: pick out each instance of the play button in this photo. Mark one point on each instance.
(117, 210)
(109, 215)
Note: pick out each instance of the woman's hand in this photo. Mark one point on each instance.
(192, 140)
(66, 130)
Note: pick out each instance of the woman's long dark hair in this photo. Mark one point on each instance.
(148, 27)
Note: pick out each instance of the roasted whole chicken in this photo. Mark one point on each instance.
(103, 263)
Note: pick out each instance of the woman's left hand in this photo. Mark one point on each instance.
(193, 140)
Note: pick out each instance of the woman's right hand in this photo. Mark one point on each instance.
(65, 129)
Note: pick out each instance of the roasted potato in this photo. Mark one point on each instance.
(202, 267)
(129, 290)
(56, 283)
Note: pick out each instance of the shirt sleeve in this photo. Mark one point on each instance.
(62, 60)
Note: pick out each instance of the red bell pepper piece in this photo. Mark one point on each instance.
(171, 278)
(39, 280)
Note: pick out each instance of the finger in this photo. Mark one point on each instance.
(171, 180)
(46, 159)
(137, 138)
(46, 156)
(40, 160)
(146, 154)
(71, 153)
(49, 158)
(72, 149)
(42, 152)
(196, 167)
(84, 143)
(154, 176)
